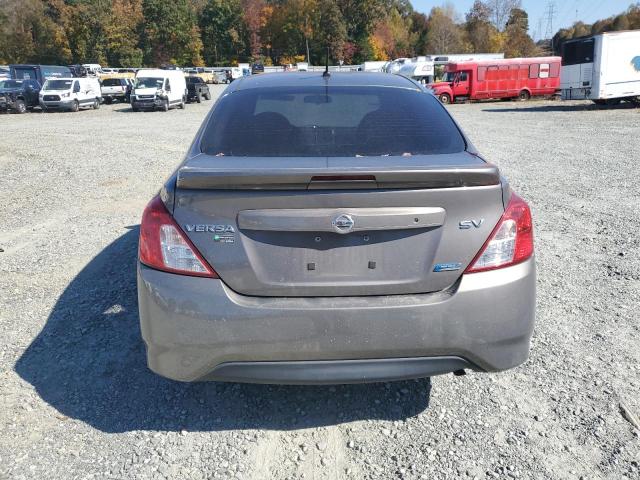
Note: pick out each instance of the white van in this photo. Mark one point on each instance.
(70, 94)
(159, 89)
(93, 68)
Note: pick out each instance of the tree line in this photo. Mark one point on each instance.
(627, 20)
(134, 33)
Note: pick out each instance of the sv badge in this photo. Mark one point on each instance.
(467, 224)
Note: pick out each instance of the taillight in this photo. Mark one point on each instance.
(164, 246)
(510, 242)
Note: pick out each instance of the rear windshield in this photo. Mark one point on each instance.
(333, 122)
(112, 82)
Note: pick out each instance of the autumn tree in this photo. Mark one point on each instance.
(329, 30)
(221, 29)
(418, 28)
(255, 19)
(481, 34)
(122, 31)
(443, 35)
(518, 43)
(501, 10)
(33, 32)
(171, 34)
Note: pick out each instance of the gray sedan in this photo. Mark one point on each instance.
(334, 229)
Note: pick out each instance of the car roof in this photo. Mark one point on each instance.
(336, 79)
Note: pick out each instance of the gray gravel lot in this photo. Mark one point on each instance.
(77, 401)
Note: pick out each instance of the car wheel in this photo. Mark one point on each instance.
(75, 106)
(96, 104)
(207, 96)
(108, 101)
(165, 106)
(524, 95)
(444, 98)
(20, 107)
(199, 98)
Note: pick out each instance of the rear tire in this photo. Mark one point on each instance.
(207, 96)
(444, 98)
(524, 95)
(21, 107)
(182, 103)
(96, 104)
(199, 98)
(75, 106)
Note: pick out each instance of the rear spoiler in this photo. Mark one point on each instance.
(200, 178)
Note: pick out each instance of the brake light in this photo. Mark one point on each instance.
(164, 246)
(510, 242)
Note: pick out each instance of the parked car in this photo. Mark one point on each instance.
(221, 76)
(78, 71)
(39, 72)
(604, 68)
(159, 89)
(334, 229)
(115, 89)
(70, 94)
(519, 78)
(257, 68)
(197, 89)
(18, 96)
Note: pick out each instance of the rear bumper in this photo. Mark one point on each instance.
(198, 329)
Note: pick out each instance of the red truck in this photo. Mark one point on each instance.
(510, 78)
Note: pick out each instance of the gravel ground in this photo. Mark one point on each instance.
(77, 400)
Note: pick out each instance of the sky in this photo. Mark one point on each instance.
(565, 11)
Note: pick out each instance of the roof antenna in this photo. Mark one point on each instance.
(326, 73)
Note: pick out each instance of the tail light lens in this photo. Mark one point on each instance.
(510, 242)
(164, 246)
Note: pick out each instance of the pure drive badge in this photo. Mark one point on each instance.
(221, 233)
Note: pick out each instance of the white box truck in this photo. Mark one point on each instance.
(603, 68)
(159, 89)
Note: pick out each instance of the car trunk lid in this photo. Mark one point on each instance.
(321, 227)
